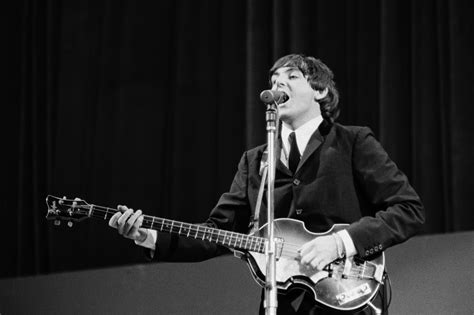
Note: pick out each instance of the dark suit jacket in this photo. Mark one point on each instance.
(344, 176)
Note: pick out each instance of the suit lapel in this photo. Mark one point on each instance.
(314, 143)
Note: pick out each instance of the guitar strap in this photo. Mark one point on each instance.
(254, 223)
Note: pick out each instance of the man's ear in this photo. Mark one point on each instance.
(320, 94)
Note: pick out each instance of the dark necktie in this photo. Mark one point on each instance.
(295, 156)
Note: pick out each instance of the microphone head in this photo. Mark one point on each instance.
(272, 96)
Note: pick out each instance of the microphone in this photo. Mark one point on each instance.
(272, 96)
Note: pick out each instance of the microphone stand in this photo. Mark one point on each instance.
(270, 302)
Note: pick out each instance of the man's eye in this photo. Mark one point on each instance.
(293, 76)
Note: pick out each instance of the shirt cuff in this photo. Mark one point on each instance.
(150, 241)
(348, 243)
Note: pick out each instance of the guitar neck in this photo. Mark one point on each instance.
(196, 231)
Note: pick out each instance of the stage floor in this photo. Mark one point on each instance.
(430, 275)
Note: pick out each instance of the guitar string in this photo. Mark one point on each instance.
(234, 237)
(355, 272)
(187, 226)
(288, 249)
(193, 227)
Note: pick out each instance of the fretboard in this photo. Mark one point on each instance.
(196, 231)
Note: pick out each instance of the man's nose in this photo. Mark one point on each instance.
(280, 82)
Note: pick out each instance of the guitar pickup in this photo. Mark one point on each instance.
(279, 242)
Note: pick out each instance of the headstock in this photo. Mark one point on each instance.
(70, 210)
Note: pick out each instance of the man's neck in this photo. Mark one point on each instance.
(295, 124)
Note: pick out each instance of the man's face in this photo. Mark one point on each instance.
(302, 105)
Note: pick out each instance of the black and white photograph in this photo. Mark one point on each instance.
(237, 157)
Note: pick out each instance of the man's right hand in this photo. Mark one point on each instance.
(128, 223)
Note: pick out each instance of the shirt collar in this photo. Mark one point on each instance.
(303, 134)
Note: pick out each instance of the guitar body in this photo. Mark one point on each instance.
(337, 286)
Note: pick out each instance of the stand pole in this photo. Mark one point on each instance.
(270, 302)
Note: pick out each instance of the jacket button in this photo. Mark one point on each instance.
(376, 249)
(371, 251)
(380, 246)
(296, 182)
(367, 253)
(299, 211)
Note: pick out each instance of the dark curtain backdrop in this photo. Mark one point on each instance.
(152, 103)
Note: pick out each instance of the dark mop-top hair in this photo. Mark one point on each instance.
(319, 77)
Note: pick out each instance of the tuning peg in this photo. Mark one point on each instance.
(69, 223)
(61, 201)
(57, 222)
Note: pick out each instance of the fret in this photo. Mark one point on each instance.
(257, 245)
(236, 239)
(229, 238)
(218, 238)
(171, 229)
(225, 237)
(180, 227)
(152, 222)
(106, 212)
(246, 241)
(189, 230)
(204, 234)
(197, 231)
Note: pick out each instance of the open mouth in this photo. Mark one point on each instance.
(284, 98)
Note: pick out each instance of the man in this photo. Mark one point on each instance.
(327, 173)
